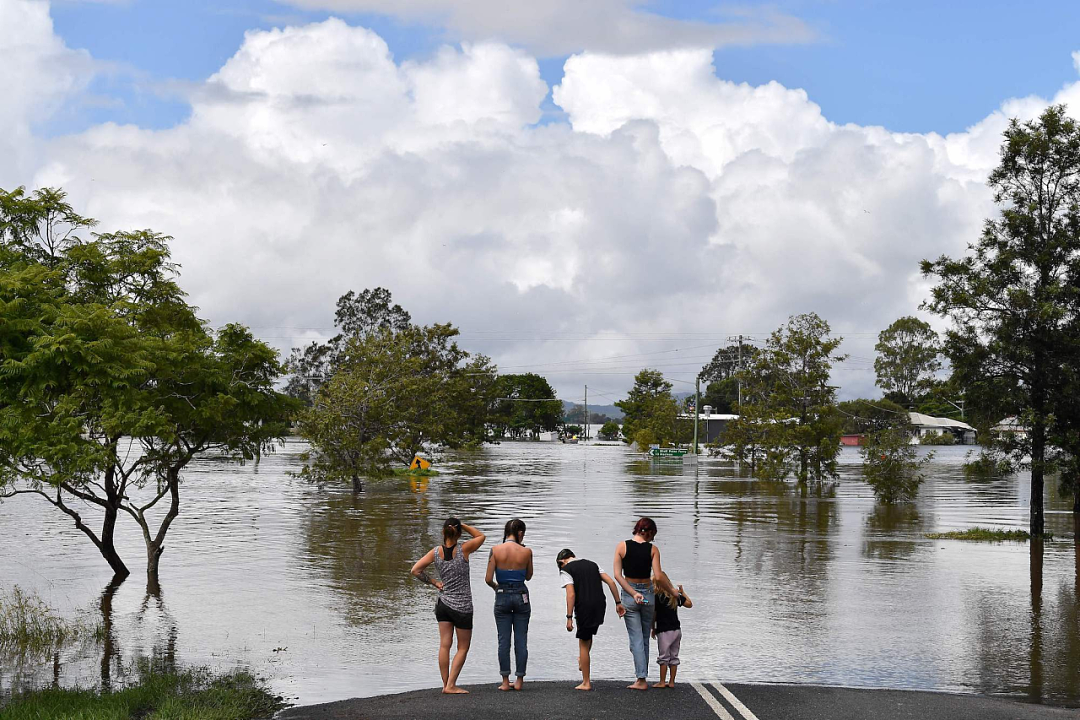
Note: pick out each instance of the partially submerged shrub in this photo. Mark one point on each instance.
(936, 438)
(891, 465)
(28, 624)
(988, 465)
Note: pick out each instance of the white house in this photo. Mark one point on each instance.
(924, 425)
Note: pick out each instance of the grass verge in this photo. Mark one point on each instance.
(979, 534)
(183, 695)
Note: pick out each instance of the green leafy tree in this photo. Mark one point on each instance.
(868, 416)
(650, 410)
(788, 420)
(907, 358)
(112, 385)
(357, 315)
(525, 406)
(722, 396)
(891, 465)
(1013, 299)
(393, 393)
(609, 431)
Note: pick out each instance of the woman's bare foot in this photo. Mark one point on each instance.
(584, 686)
(505, 685)
(658, 685)
(519, 683)
(671, 683)
(454, 690)
(638, 685)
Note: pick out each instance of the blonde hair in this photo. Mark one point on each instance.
(658, 590)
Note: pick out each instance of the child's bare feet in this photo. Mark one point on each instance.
(519, 683)
(658, 685)
(671, 683)
(504, 685)
(454, 690)
(638, 685)
(584, 686)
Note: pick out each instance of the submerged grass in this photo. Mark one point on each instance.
(183, 695)
(28, 624)
(979, 534)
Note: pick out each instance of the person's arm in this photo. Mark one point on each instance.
(619, 609)
(472, 545)
(658, 574)
(490, 577)
(529, 569)
(686, 598)
(570, 607)
(418, 571)
(620, 550)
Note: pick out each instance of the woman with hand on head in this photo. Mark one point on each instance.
(510, 565)
(454, 608)
(636, 562)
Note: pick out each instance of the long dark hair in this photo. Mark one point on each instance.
(451, 530)
(645, 525)
(514, 528)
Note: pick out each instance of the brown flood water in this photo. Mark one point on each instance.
(309, 585)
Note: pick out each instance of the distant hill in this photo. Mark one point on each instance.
(610, 410)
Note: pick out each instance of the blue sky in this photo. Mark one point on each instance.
(913, 66)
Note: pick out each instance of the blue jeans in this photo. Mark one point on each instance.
(639, 619)
(512, 612)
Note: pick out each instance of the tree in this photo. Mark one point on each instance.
(357, 315)
(891, 465)
(722, 395)
(609, 431)
(907, 358)
(392, 393)
(650, 410)
(524, 405)
(111, 383)
(788, 420)
(869, 416)
(1013, 298)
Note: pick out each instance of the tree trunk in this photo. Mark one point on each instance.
(156, 546)
(1076, 500)
(357, 485)
(108, 545)
(1038, 461)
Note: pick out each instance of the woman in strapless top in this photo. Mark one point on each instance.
(510, 565)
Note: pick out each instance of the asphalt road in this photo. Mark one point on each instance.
(697, 701)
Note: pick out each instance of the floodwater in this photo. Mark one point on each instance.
(309, 585)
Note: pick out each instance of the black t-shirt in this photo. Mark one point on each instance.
(590, 605)
(667, 617)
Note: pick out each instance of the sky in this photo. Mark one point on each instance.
(584, 189)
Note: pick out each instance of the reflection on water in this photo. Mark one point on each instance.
(309, 585)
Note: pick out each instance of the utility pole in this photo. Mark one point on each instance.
(738, 371)
(697, 412)
(586, 412)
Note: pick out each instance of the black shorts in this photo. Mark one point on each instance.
(586, 632)
(461, 620)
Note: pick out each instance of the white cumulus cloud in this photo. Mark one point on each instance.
(673, 209)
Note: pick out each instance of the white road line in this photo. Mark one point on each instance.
(713, 702)
(730, 697)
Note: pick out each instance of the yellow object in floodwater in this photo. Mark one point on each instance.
(419, 463)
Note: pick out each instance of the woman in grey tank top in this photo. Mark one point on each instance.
(454, 608)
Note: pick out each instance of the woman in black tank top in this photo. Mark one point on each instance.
(636, 561)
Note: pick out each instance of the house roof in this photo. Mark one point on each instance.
(929, 421)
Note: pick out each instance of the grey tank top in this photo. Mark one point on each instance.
(454, 573)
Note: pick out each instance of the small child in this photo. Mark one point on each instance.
(668, 631)
(584, 582)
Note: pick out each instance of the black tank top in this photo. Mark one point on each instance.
(638, 560)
